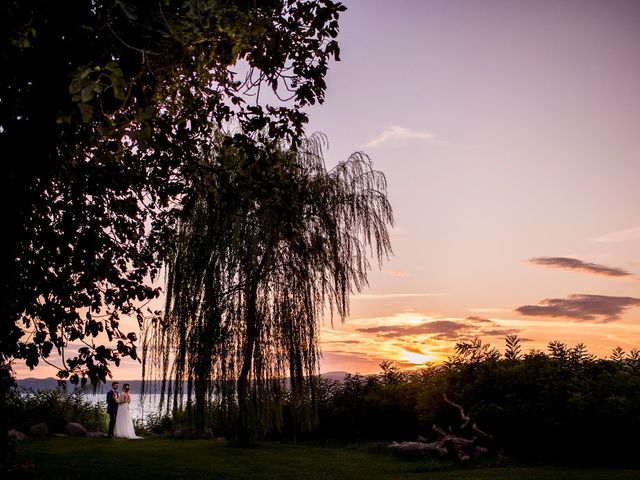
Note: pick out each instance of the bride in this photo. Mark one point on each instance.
(124, 422)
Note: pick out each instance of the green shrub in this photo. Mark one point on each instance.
(56, 408)
(157, 423)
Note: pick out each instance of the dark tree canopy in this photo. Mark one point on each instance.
(266, 243)
(103, 106)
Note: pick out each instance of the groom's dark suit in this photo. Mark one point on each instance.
(112, 409)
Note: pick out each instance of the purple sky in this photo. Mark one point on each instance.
(508, 131)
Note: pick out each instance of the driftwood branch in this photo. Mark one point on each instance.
(465, 418)
(470, 443)
(468, 421)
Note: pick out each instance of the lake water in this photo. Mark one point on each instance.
(139, 411)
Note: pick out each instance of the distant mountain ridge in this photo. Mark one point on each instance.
(51, 383)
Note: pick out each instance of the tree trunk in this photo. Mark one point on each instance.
(6, 449)
(243, 427)
(244, 437)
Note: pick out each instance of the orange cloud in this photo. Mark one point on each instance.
(451, 330)
(395, 273)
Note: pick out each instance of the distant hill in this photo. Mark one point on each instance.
(339, 376)
(38, 383)
(51, 383)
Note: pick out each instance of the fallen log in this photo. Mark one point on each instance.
(420, 448)
(471, 442)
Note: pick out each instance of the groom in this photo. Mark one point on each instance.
(112, 406)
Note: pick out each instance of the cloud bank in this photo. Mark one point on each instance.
(381, 296)
(566, 263)
(395, 133)
(451, 330)
(600, 308)
(619, 236)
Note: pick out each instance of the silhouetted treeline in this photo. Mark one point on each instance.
(564, 404)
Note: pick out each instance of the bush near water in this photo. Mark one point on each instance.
(56, 408)
(564, 405)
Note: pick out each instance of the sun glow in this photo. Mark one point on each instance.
(417, 358)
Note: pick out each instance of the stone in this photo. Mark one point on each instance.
(96, 434)
(16, 436)
(181, 434)
(59, 435)
(39, 430)
(75, 430)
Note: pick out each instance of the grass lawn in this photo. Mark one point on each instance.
(97, 458)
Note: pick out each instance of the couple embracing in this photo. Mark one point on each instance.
(120, 421)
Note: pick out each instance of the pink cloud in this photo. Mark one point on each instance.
(575, 264)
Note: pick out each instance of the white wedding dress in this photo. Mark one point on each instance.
(124, 422)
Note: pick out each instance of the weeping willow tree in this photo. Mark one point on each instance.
(270, 243)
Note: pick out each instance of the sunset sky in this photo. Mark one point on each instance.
(509, 133)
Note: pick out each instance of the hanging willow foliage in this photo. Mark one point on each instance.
(269, 243)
